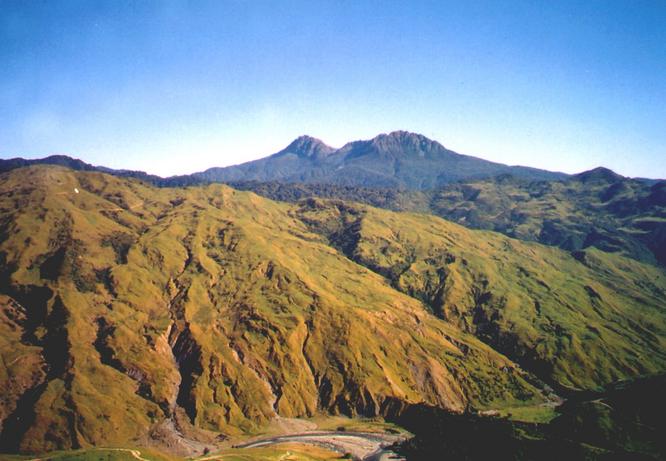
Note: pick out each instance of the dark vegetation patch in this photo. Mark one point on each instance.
(121, 243)
(106, 353)
(624, 422)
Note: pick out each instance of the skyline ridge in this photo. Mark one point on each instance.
(300, 140)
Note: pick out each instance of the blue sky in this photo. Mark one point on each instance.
(175, 87)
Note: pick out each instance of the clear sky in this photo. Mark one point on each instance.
(175, 87)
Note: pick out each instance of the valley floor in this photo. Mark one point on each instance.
(285, 439)
(360, 445)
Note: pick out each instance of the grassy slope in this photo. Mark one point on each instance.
(598, 209)
(579, 322)
(294, 452)
(96, 454)
(126, 302)
(222, 303)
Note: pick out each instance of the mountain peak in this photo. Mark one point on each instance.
(307, 146)
(599, 174)
(403, 137)
(401, 143)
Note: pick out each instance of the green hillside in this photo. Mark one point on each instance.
(577, 321)
(128, 310)
(597, 208)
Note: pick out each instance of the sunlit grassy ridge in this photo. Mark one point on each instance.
(213, 301)
(125, 305)
(580, 320)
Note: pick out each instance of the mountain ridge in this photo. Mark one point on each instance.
(398, 159)
(309, 148)
(597, 208)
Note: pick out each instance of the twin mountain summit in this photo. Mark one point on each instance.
(390, 278)
(396, 160)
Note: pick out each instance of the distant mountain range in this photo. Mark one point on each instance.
(395, 160)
